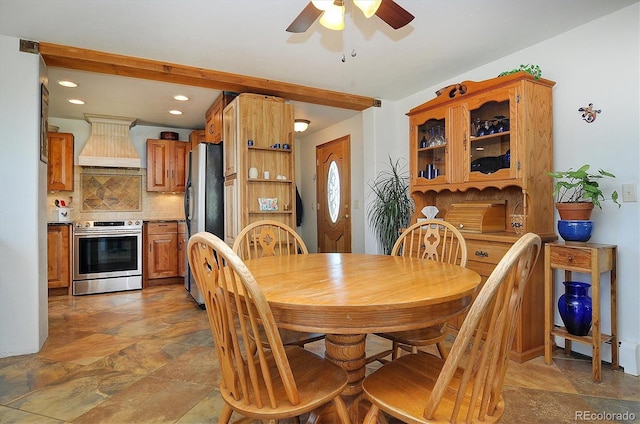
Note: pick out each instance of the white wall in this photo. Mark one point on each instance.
(23, 231)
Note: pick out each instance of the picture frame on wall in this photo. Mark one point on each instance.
(44, 124)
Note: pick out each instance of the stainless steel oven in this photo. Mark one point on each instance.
(107, 256)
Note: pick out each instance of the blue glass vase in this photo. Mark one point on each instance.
(575, 308)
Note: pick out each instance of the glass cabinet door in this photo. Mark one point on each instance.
(492, 124)
(431, 140)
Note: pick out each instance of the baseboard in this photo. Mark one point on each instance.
(630, 357)
(628, 353)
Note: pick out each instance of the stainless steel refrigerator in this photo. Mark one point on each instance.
(204, 200)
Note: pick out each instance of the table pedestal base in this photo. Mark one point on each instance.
(348, 352)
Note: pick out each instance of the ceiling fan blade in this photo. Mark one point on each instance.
(305, 19)
(393, 14)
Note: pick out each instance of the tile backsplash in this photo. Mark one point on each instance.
(111, 191)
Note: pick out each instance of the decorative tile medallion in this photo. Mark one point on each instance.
(111, 192)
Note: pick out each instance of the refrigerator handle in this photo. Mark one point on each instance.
(188, 207)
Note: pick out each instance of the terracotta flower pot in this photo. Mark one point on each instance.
(575, 211)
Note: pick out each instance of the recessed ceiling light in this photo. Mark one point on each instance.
(175, 112)
(76, 101)
(70, 84)
(181, 98)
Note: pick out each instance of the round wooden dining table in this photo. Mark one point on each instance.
(347, 296)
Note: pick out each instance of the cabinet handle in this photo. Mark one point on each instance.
(149, 247)
(482, 254)
(570, 258)
(210, 128)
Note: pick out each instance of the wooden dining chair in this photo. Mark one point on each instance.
(273, 238)
(277, 382)
(433, 240)
(268, 238)
(467, 386)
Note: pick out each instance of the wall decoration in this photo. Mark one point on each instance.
(111, 192)
(589, 113)
(44, 124)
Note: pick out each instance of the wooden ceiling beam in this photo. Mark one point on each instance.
(61, 56)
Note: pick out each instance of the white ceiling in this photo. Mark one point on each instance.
(248, 37)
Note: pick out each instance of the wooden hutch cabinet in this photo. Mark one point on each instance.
(60, 162)
(491, 142)
(267, 121)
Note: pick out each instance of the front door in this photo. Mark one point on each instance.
(333, 191)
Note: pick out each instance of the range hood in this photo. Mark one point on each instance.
(109, 143)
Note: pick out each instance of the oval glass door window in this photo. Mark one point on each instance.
(333, 191)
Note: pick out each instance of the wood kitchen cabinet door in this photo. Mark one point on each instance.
(214, 117)
(60, 162)
(179, 164)
(161, 248)
(58, 256)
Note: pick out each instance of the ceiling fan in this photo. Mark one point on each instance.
(331, 14)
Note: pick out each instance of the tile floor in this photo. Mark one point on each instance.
(147, 357)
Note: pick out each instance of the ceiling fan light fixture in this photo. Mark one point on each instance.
(322, 4)
(301, 125)
(368, 7)
(333, 18)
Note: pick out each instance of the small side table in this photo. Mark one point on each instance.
(587, 258)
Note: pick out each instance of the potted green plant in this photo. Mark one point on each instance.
(528, 68)
(392, 205)
(576, 192)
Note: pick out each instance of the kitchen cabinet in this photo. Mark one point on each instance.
(166, 165)
(59, 256)
(214, 117)
(182, 248)
(195, 138)
(60, 162)
(491, 141)
(160, 258)
(258, 133)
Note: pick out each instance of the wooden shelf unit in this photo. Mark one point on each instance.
(266, 121)
(593, 259)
